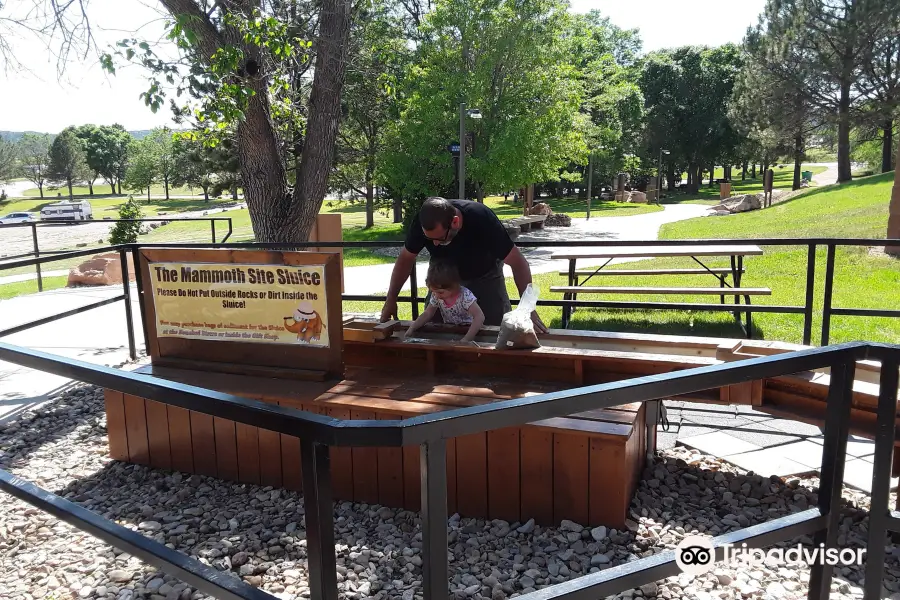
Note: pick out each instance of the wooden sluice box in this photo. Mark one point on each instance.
(268, 326)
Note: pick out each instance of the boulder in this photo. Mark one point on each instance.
(541, 209)
(637, 197)
(102, 269)
(558, 220)
(739, 204)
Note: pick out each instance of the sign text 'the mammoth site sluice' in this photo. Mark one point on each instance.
(241, 303)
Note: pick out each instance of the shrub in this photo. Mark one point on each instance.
(126, 232)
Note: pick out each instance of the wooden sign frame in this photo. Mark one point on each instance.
(247, 358)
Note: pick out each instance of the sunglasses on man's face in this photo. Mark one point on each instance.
(444, 238)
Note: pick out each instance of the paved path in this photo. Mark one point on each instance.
(375, 279)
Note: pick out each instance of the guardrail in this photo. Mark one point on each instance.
(807, 309)
(36, 251)
(318, 433)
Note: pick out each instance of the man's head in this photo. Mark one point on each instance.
(439, 220)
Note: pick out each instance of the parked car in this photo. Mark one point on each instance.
(17, 217)
(68, 211)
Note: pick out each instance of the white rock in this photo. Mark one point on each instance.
(599, 533)
(150, 526)
(567, 525)
(599, 559)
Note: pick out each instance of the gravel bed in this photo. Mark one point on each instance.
(257, 533)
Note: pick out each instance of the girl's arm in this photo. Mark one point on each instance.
(477, 322)
(426, 316)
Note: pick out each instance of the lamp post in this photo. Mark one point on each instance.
(659, 173)
(463, 113)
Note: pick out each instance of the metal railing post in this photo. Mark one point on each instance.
(829, 289)
(831, 480)
(317, 501)
(881, 478)
(212, 227)
(810, 294)
(135, 258)
(433, 473)
(126, 290)
(37, 254)
(414, 292)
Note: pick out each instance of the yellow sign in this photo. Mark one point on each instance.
(281, 304)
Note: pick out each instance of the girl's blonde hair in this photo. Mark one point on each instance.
(442, 275)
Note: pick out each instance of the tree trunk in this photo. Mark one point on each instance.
(887, 146)
(90, 188)
(753, 175)
(206, 193)
(119, 184)
(112, 188)
(370, 202)
(670, 177)
(479, 193)
(69, 181)
(277, 213)
(166, 184)
(398, 211)
(844, 171)
(234, 197)
(712, 174)
(148, 194)
(798, 160)
(41, 190)
(744, 171)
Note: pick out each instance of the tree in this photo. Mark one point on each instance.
(163, 154)
(88, 173)
(687, 93)
(378, 59)
(34, 149)
(882, 85)
(143, 169)
(199, 165)
(67, 158)
(126, 232)
(507, 59)
(240, 64)
(106, 152)
(819, 48)
(9, 159)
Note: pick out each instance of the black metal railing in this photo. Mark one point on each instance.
(36, 250)
(318, 433)
(807, 309)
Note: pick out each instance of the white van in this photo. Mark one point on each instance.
(68, 211)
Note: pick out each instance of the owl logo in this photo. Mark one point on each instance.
(306, 323)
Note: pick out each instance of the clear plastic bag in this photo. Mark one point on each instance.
(516, 328)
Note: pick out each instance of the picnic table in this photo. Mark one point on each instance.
(736, 253)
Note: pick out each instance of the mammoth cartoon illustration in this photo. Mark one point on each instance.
(306, 323)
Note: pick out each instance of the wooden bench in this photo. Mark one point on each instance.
(637, 272)
(711, 291)
(584, 467)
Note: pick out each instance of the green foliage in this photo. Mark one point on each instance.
(514, 69)
(126, 232)
(106, 150)
(34, 151)
(196, 164)
(67, 158)
(9, 159)
(142, 168)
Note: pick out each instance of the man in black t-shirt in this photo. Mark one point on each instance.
(471, 236)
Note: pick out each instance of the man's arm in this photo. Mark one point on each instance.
(406, 262)
(522, 276)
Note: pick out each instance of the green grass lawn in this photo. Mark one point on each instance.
(103, 189)
(856, 209)
(11, 290)
(783, 179)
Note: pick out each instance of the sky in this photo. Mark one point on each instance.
(37, 99)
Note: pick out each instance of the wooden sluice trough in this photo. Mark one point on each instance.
(583, 467)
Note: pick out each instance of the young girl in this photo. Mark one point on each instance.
(457, 304)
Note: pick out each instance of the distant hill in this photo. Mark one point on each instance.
(14, 136)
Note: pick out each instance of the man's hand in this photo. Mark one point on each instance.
(539, 326)
(389, 311)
